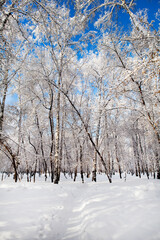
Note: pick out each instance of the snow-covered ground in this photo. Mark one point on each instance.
(74, 211)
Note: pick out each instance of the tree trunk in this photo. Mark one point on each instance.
(136, 155)
(117, 158)
(62, 140)
(76, 168)
(81, 164)
(12, 157)
(42, 149)
(36, 160)
(157, 164)
(56, 157)
(51, 122)
(94, 170)
(2, 104)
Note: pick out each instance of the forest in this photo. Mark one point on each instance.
(79, 89)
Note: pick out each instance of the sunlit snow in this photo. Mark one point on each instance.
(74, 211)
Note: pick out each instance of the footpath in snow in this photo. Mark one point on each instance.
(74, 211)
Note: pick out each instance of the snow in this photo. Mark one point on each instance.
(74, 211)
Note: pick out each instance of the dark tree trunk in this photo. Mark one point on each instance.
(81, 164)
(76, 168)
(117, 158)
(94, 171)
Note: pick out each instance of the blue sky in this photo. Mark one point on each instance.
(151, 5)
(123, 20)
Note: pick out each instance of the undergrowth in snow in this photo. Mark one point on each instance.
(74, 211)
